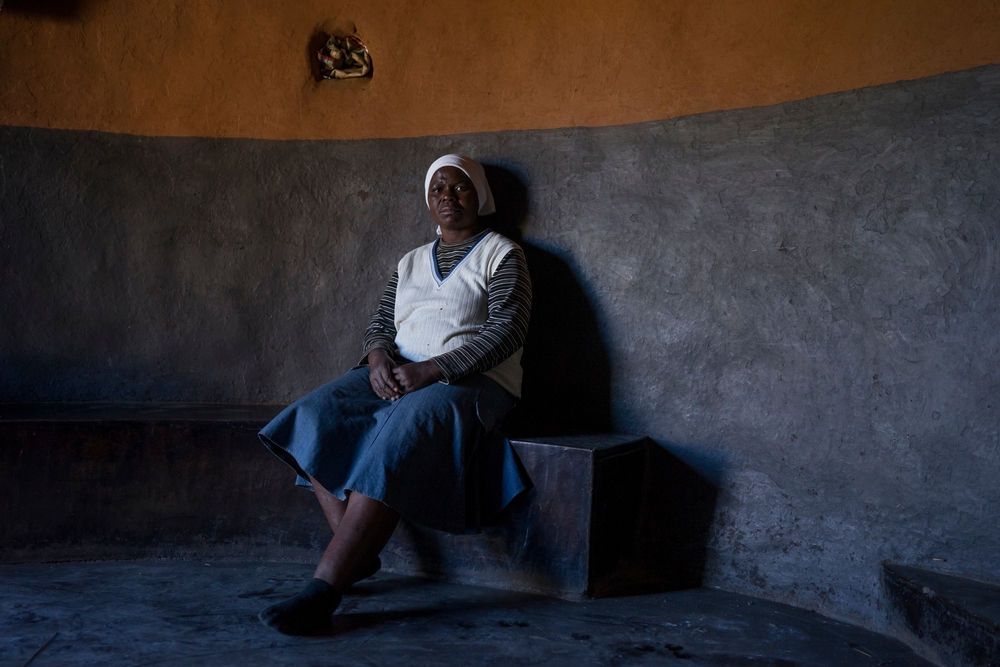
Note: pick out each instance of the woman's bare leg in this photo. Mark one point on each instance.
(362, 532)
(362, 526)
(333, 507)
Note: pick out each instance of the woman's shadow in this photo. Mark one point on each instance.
(567, 391)
(567, 374)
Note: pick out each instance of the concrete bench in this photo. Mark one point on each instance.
(105, 481)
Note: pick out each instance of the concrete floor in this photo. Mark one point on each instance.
(204, 613)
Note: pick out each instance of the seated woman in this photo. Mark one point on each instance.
(413, 433)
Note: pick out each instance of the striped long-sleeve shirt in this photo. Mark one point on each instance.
(503, 333)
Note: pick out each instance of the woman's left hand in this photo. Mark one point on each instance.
(416, 375)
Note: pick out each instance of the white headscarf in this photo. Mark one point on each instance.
(473, 170)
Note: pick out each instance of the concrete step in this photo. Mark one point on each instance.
(955, 618)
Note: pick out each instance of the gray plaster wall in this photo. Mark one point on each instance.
(801, 301)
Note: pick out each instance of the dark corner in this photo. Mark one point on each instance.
(58, 9)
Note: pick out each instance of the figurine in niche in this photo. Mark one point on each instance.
(344, 57)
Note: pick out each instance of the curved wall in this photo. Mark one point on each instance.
(223, 69)
(800, 300)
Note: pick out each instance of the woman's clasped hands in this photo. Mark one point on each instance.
(391, 381)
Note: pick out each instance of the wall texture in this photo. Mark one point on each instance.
(800, 300)
(224, 69)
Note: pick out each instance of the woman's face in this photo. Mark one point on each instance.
(453, 200)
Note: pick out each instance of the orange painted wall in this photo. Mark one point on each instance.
(241, 69)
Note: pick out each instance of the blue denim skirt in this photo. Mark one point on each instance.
(435, 456)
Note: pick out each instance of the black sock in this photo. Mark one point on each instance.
(307, 613)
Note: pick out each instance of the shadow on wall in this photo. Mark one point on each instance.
(676, 520)
(316, 41)
(567, 373)
(567, 391)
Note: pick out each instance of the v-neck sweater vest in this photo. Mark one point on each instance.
(434, 315)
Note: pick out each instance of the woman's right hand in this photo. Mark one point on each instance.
(380, 366)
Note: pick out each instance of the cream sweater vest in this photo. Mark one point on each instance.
(435, 315)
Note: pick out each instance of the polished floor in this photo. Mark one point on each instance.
(204, 613)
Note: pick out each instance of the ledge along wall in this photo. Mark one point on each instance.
(799, 300)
